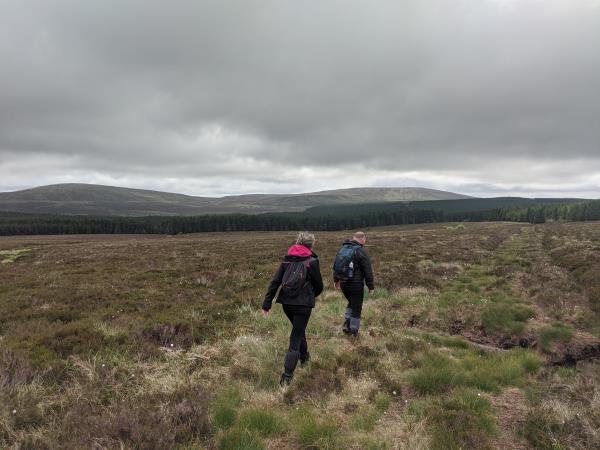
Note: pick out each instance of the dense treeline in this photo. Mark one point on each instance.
(23, 224)
(448, 206)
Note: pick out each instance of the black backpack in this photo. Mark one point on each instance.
(343, 267)
(294, 278)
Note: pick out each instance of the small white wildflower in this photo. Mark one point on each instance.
(171, 345)
(14, 411)
(478, 394)
(103, 365)
(394, 392)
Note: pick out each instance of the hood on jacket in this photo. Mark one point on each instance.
(299, 250)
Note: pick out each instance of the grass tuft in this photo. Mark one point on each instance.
(225, 408)
(382, 401)
(553, 333)
(542, 428)
(240, 440)
(365, 419)
(458, 421)
(313, 433)
(439, 373)
(262, 422)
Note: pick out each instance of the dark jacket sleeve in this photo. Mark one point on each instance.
(366, 268)
(315, 277)
(272, 290)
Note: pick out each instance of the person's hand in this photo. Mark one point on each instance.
(337, 285)
(265, 312)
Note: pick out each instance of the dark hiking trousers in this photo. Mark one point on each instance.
(354, 293)
(298, 349)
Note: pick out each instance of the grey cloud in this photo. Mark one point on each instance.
(132, 87)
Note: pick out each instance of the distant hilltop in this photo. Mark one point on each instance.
(98, 200)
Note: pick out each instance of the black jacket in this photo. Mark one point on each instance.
(312, 289)
(363, 271)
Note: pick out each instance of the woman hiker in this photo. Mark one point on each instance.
(299, 277)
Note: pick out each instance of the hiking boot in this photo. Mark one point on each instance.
(354, 326)
(346, 326)
(291, 360)
(304, 360)
(285, 379)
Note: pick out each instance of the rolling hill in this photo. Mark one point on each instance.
(98, 200)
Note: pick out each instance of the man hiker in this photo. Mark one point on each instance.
(299, 277)
(351, 271)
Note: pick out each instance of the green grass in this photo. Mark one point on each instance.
(440, 373)
(373, 444)
(240, 440)
(382, 401)
(505, 315)
(262, 422)
(439, 341)
(463, 419)
(436, 374)
(365, 419)
(224, 408)
(553, 333)
(542, 428)
(482, 295)
(380, 292)
(313, 433)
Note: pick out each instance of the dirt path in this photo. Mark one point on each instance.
(511, 411)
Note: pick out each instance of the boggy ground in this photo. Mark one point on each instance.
(478, 336)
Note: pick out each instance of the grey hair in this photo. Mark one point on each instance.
(359, 235)
(305, 238)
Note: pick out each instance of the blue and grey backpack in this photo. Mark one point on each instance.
(343, 267)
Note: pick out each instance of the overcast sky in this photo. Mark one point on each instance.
(483, 97)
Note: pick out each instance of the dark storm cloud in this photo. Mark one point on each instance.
(228, 96)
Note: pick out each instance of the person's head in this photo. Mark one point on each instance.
(305, 238)
(360, 237)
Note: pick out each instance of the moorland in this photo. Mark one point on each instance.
(478, 336)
